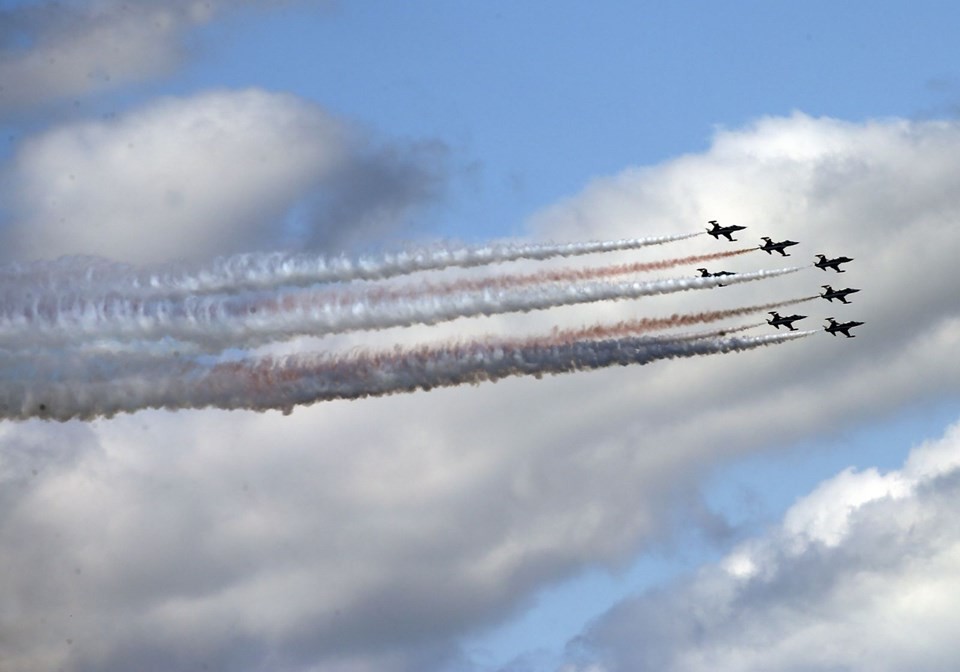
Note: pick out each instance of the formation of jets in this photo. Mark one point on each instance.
(769, 246)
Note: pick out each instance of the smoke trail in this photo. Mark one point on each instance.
(283, 383)
(644, 324)
(518, 280)
(105, 361)
(265, 271)
(307, 380)
(219, 322)
(101, 359)
(72, 309)
(46, 306)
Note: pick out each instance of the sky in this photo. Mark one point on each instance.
(788, 508)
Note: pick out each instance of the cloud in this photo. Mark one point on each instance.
(56, 50)
(375, 534)
(861, 574)
(367, 198)
(216, 172)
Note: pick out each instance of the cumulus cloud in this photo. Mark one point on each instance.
(213, 173)
(881, 192)
(861, 574)
(55, 50)
(372, 535)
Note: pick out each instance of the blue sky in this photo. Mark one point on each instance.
(545, 96)
(480, 120)
(535, 99)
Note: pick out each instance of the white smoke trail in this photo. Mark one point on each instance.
(46, 306)
(305, 379)
(267, 271)
(217, 323)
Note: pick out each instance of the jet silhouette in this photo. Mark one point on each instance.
(841, 327)
(777, 320)
(841, 294)
(825, 263)
(727, 231)
(704, 273)
(770, 247)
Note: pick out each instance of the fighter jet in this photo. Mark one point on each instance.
(777, 320)
(770, 247)
(727, 231)
(842, 327)
(841, 294)
(825, 263)
(704, 273)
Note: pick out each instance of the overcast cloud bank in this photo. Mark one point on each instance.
(376, 534)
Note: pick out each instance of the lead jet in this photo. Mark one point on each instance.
(704, 273)
(825, 263)
(842, 327)
(777, 320)
(727, 231)
(841, 294)
(770, 247)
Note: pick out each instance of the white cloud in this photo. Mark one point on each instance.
(213, 173)
(370, 535)
(878, 593)
(55, 50)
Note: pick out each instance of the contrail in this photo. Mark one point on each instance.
(227, 322)
(282, 383)
(266, 271)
